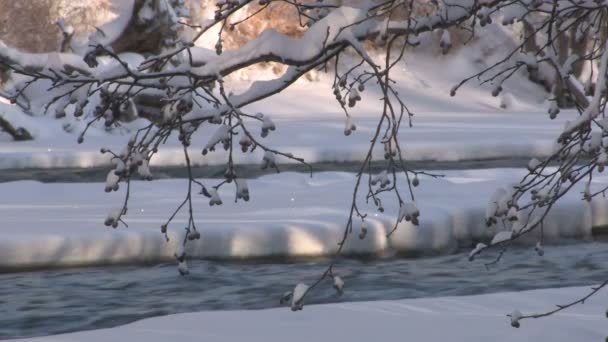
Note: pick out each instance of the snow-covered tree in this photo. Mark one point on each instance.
(155, 53)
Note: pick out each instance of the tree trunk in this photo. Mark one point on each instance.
(139, 38)
(578, 47)
(530, 46)
(560, 93)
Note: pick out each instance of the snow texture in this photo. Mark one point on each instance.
(450, 136)
(291, 215)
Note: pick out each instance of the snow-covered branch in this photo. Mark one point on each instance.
(191, 90)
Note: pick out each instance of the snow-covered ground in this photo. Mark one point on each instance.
(449, 136)
(310, 123)
(470, 318)
(290, 214)
(435, 137)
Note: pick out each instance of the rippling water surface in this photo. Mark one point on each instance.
(56, 301)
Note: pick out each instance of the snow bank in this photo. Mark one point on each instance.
(450, 136)
(467, 318)
(290, 214)
(310, 122)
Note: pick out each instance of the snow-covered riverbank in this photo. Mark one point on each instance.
(290, 214)
(444, 137)
(468, 318)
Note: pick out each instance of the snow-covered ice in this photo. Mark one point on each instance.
(452, 136)
(289, 214)
(467, 318)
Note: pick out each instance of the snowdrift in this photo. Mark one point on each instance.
(289, 215)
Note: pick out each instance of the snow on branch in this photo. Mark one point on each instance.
(190, 89)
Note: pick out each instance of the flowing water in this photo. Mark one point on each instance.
(64, 300)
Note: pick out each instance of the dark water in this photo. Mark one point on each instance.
(51, 302)
(98, 174)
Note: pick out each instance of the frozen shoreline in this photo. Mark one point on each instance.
(453, 137)
(466, 318)
(290, 215)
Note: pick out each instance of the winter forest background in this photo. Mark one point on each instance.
(190, 169)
